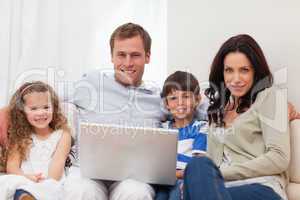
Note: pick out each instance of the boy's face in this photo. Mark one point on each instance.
(182, 104)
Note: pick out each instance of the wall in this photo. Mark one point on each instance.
(4, 48)
(197, 28)
(57, 41)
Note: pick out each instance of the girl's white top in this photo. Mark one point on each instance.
(41, 154)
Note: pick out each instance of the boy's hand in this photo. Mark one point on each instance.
(179, 174)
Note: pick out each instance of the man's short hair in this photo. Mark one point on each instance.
(130, 30)
(180, 80)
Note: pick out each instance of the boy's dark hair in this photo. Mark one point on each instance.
(180, 80)
(130, 30)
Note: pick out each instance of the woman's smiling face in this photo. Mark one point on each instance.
(238, 74)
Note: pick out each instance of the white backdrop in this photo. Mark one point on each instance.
(197, 29)
(59, 40)
(71, 36)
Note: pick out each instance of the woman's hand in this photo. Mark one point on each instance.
(293, 113)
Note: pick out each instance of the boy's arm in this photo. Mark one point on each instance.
(60, 156)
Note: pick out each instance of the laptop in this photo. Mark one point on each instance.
(112, 152)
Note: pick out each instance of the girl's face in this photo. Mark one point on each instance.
(38, 109)
(238, 74)
(182, 104)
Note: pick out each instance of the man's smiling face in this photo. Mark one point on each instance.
(129, 59)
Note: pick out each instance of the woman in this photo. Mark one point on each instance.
(248, 142)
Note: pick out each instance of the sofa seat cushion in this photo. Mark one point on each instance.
(293, 191)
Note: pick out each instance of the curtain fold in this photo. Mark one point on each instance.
(58, 40)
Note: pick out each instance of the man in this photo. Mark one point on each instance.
(117, 98)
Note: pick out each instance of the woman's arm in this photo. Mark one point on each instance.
(273, 120)
(60, 156)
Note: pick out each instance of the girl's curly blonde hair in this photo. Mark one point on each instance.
(20, 130)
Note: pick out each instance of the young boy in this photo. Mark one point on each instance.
(181, 94)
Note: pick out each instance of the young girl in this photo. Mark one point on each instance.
(39, 143)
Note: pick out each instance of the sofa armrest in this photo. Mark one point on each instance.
(4, 115)
(295, 151)
(2, 162)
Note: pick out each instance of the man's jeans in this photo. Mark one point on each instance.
(203, 181)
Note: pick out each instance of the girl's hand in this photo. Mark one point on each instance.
(32, 177)
(35, 177)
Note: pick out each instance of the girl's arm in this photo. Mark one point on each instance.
(13, 163)
(60, 156)
(13, 166)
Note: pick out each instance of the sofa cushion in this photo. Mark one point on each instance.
(295, 152)
(293, 191)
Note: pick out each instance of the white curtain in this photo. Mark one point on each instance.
(58, 40)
